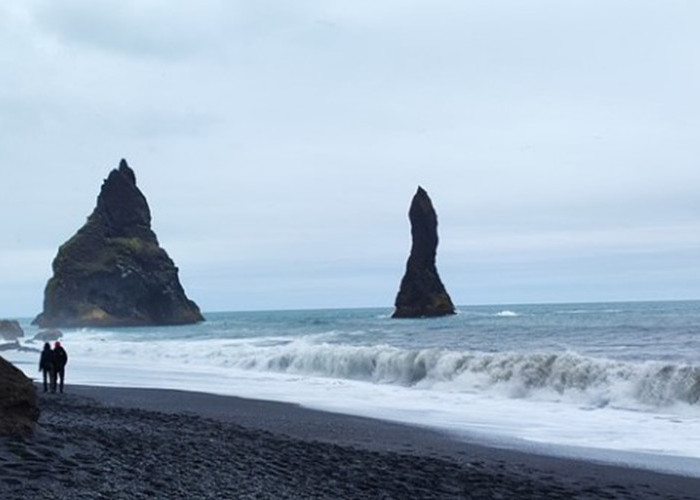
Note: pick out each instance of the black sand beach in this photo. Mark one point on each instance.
(140, 443)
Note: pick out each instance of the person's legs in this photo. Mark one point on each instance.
(53, 380)
(46, 380)
(61, 375)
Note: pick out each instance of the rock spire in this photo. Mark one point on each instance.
(421, 292)
(113, 272)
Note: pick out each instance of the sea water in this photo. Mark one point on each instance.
(618, 382)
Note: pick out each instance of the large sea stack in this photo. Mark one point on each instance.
(421, 292)
(113, 272)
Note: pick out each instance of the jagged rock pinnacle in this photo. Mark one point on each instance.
(421, 292)
(113, 272)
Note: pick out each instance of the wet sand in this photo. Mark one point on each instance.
(127, 443)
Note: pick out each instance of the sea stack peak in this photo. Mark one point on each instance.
(121, 206)
(421, 292)
(126, 171)
(113, 272)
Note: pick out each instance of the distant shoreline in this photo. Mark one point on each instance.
(179, 444)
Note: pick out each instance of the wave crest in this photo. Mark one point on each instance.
(507, 314)
(519, 375)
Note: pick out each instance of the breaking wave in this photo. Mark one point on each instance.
(561, 376)
(507, 314)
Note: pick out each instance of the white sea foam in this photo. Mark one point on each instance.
(641, 438)
(543, 376)
(507, 314)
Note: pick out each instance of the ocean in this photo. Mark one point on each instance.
(615, 382)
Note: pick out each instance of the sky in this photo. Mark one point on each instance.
(279, 144)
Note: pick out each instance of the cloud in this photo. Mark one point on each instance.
(149, 28)
(290, 136)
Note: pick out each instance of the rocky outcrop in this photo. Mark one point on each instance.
(18, 402)
(16, 346)
(48, 335)
(113, 272)
(9, 346)
(10, 329)
(421, 292)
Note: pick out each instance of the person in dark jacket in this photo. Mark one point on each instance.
(60, 359)
(46, 366)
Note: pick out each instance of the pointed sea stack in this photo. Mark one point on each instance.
(113, 272)
(421, 292)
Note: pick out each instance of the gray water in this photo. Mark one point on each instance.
(644, 352)
(633, 331)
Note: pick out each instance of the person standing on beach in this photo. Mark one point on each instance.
(46, 365)
(60, 359)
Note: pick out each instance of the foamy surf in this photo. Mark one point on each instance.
(661, 440)
(557, 377)
(548, 377)
(507, 314)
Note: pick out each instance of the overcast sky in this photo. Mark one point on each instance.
(279, 144)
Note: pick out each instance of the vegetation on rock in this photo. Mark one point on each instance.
(113, 272)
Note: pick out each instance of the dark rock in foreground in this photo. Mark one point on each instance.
(421, 292)
(113, 272)
(18, 402)
(10, 329)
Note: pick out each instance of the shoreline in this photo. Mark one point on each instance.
(144, 439)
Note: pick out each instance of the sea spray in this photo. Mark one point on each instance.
(568, 375)
(507, 314)
(522, 375)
